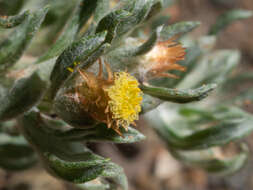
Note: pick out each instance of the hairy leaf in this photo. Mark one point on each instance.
(15, 153)
(110, 23)
(70, 161)
(101, 133)
(25, 93)
(226, 124)
(212, 68)
(78, 51)
(178, 28)
(11, 7)
(67, 37)
(12, 48)
(12, 21)
(178, 96)
(103, 6)
(147, 46)
(227, 18)
(213, 165)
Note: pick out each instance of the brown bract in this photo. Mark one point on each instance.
(164, 57)
(114, 100)
(93, 96)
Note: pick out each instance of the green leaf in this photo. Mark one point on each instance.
(226, 124)
(3, 91)
(149, 103)
(78, 51)
(227, 18)
(68, 35)
(214, 67)
(101, 133)
(88, 7)
(237, 79)
(159, 21)
(15, 153)
(93, 186)
(11, 7)
(111, 23)
(178, 96)
(12, 21)
(125, 56)
(225, 166)
(70, 161)
(156, 8)
(83, 171)
(25, 93)
(57, 17)
(178, 28)
(103, 6)
(122, 21)
(147, 46)
(140, 10)
(12, 48)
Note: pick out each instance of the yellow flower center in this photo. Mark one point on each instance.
(125, 99)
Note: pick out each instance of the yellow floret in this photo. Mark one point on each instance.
(125, 99)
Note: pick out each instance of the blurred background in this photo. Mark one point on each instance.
(148, 165)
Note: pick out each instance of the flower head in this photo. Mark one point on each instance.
(114, 100)
(162, 58)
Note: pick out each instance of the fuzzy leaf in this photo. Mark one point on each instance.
(15, 153)
(78, 51)
(238, 79)
(178, 28)
(11, 7)
(68, 35)
(155, 9)
(93, 186)
(25, 93)
(147, 46)
(12, 48)
(225, 166)
(227, 18)
(12, 21)
(149, 103)
(123, 57)
(212, 68)
(178, 96)
(70, 161)
(101, 133)
(110, 23)
(103, 6)
(227, 124)
(121, 22)
(159, 21)
(139, 9)
(88, 7)
(57, 17)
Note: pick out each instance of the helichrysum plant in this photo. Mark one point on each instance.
(83, 71)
